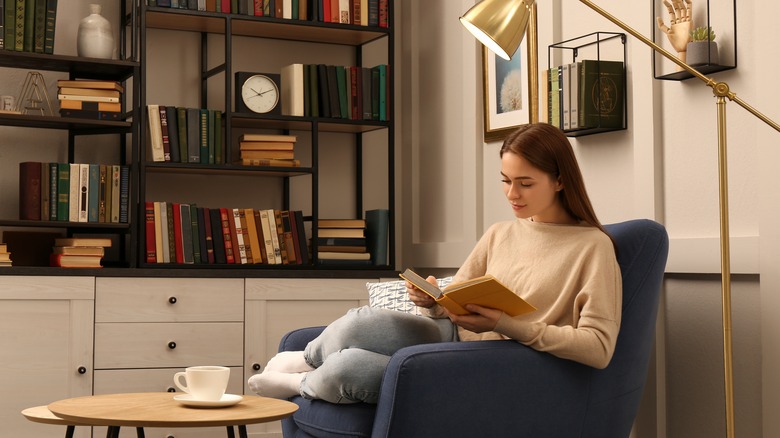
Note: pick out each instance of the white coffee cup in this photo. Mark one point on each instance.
(207, 383)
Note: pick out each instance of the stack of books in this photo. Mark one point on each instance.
(90, 99)
(5, 256)
(342, 241)
(268, 150)
(79, 252)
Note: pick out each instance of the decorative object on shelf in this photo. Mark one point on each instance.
(510, 92)
(702, 50)
(689, 21)
(95, 36)
(258, 93)
(721, 91)
(680, 24)
(33, 98)
(8, 105)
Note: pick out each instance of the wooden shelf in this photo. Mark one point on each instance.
(63, 224)
(225, 169)
(78, 67)
(294, 123)
(85, 126)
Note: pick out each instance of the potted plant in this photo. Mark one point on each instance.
(702, 49)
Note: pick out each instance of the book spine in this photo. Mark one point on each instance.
(200, 223)
(268, 237)
(384, 13)
(169, 233)
(193, 135)
(158, 227)
(151, 250)
(574, 96)
(29, 25)
(210, 259)
(203, 120)
(239, 253)
(302, 241)
(218, 148)
(373, 13)
(63, 191)
(102, 188)
(156, 151)
(215, 219)
(30, 191)
(565, 97)
(178, 238)
(226, 236)
(94, 193)
(109, 193)
(377, 229)
(244, 236)
(280, 237)
(181, 122)
(188, 248)
(45, 193)
(254, 240)
(211, 146)
(124, 194)
(73, 192)
(166, 145)
(83, 193)
(289, 242)
(39, 26)
(116, 177)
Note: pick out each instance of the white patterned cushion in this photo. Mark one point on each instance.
(392, 295)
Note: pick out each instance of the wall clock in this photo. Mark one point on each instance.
(258, 93)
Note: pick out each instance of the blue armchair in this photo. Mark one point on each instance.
(502, 388)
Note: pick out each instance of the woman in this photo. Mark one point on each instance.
(556, 255)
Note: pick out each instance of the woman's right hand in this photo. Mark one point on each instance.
(420, 298)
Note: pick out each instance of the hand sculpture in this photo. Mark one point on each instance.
(681, 23)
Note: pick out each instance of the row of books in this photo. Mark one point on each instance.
(336, 91)
(268, 150)
(586, 94)
(90, 99)
(74, 192)
(356, 12)
(185, 135)
(5, 256)
(28, 25)
(79, 252)
(188, 234)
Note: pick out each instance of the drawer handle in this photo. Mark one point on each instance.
(171, 345)
(256, 366)
(172, 300)
(82, 370)
(171, 389)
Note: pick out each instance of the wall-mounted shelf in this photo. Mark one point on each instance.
(721, 16)
(573, 66)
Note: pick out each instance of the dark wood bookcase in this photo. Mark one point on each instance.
(264, 32)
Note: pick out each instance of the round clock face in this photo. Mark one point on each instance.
(260, 94)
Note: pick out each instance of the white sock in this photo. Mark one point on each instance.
(288, 362)
(275, 384)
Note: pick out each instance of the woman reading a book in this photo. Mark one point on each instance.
(555, 254)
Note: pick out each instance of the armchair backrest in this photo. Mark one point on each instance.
(643, 247)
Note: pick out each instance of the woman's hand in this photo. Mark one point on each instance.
(480, 320)
(420, 298)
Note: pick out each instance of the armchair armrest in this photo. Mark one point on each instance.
(296, 340)
(459, 388)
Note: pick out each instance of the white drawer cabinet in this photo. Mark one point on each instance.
(147, 329)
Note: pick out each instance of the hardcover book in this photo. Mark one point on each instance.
(601, 94)
(151, 250)
(30, 191)
(484, 291)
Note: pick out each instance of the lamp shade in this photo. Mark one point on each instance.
(499, 24)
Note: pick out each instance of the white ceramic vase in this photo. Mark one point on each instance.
(95, 37)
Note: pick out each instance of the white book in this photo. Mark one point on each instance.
(201, 5)
(87, 98)
(292, 90)
(166, 248)
(344, 17)
(75, 188)
(574, 110)
(565, 97)
(240, 237)
(269, 236)
(83, 193)
(286, 9)
(156, 151)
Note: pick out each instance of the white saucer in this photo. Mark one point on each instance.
(226, 400)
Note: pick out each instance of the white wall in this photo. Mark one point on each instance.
(664, 167)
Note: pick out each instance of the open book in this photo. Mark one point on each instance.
(484, 291)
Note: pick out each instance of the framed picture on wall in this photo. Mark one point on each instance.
(511, 88)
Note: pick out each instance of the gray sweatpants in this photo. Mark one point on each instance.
(351, 354)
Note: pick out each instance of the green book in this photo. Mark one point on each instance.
(314, 90)
(204, 136)
(29, 25)
(193, 135)
(54, 174)
(382, 68)
(18, 25)
(195, 233)
(63, 191)
(94, 193)
(341, 78)
(49, 27)
(39, 23)
(8, 24)
(601, 87)
(181, 121)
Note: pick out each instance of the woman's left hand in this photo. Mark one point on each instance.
(480, 320)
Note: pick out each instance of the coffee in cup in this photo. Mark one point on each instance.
(207, 383)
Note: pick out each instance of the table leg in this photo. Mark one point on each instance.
(230, 432)
(242, 431)
(139, 431)
(69, 431)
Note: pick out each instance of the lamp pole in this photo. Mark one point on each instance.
(721, 92)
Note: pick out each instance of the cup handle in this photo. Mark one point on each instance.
(177, 380)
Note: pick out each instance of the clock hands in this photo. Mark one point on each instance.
(260, 93)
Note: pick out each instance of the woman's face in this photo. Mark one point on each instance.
(531, 192)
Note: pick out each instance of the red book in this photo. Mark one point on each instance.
(334, 11)
(234, 236)
(383, 13)
(225, 6)
(326, 10)
(258, 8)
(209, 236)
(151, 249)
(30, 191)
(354, 76)
(295, 238)
(260, 236)
(177, 235)
(226, 236)
(354, 12)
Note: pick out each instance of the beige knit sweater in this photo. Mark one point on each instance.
(568, 272)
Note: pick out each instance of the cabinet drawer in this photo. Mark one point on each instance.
(152, 380)
(158, 345)
(169, 299)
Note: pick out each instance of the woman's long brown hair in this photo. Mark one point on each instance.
(548, 149)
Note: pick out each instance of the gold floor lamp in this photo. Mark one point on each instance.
(501, 24)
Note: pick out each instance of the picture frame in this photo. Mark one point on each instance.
(517, 80)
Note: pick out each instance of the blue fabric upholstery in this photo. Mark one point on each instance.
(502, 388)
